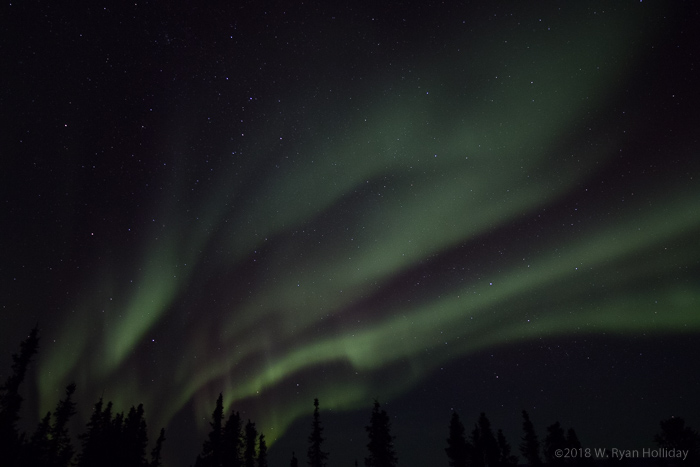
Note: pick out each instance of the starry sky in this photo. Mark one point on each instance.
(471, 206)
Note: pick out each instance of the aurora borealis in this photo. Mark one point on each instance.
(281, 202)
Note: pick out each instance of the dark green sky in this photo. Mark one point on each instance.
(481, 208)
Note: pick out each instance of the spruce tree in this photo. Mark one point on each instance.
(381, 443)
(506, 459)
(262, 451)
(457, 447)
(251, 435)
(96, 447)
(488, 446)
(61, 447)
(555, 440)
(156, 452)
(530, 446)
(122, 441)
(676, 435)
(116, 440)
(51, 445)
(11, 401)
(476, 456)
(317, 457)
(573, 443)
(212, 449)
(135, 437)
(38, 451)
(233, 441)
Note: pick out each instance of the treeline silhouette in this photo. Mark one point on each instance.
(115, 439)
(110, 439)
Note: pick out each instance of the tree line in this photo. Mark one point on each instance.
(110, 439)
(115, 439)
(229, 444)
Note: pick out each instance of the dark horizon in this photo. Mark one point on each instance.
(403, 418)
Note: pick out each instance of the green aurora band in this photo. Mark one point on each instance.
(304, 252)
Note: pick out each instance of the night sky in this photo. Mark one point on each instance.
(480, 207)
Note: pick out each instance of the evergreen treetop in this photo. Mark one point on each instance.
(381, 442)
(10, 399)
(457, 446)
(316, 456)
(530, 446)
(251, 435)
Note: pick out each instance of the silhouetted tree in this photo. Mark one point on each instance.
(233, 441)
(505, 458)
(212, 449)
(476, 456)
(38, 450)
(381, 443)
(61, 448)
(96, 440)
(457, 447)
(294, 462)
(676, 435)
(11, 401)
(573, 443)
(316, 456)
(555, 440)
(251, 435)
(486, 443)
(155, 453)
(116, 437)
(134, 438)
(262, 451)
(51, 445)
(127, 439)
(530, 446)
